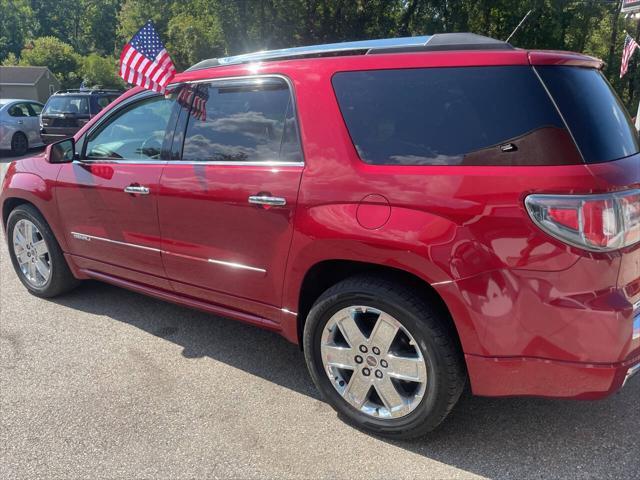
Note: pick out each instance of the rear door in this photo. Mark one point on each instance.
(227, 201)
(108, 199)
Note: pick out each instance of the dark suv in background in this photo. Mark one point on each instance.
(67, 111)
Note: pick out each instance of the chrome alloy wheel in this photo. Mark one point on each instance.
(373, 362)
(32, 253)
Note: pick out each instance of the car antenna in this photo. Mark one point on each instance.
(518, 26)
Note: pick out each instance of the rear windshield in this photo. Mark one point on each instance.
(598, 120)
(67, 104)
(453, 116)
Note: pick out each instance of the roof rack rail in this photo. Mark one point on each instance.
(89, 90)
(425, 43)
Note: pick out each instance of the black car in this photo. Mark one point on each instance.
(67, 111)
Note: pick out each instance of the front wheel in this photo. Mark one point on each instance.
(383, 357)
(36, 255)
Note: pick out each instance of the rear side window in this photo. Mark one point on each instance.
(241, 121)
(453, 116)
(598, 120)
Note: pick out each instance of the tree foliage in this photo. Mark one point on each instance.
(197, 29)
(60, 57)
(97, 70)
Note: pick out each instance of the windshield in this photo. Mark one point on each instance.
(67, 104)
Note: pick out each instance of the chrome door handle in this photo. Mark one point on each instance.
(267, 200)
(137, 190)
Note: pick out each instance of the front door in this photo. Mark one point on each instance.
(227, 203)
(108, 199)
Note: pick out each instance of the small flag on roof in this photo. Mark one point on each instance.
(145, 62)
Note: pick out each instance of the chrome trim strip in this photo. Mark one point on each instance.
(236, 265)
(240, 266)
(84, 236)
(445, 282)
(109, 160)
(236, 163)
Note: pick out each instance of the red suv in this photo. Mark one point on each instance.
(416, 213)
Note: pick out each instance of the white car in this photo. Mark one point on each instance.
(19, 125)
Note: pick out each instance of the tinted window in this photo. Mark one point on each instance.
(241, 121)
(137, 132)
(67, 104)
(598, 120)
(453, 116)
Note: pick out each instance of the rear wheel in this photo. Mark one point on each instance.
(383, 357)
(19, 144)
(36, 255)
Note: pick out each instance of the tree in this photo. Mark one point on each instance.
(58, 56)
(191, 39)
(97, 70)
(16, 24)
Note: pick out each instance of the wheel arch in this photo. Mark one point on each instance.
(27, 188)
(326, 273)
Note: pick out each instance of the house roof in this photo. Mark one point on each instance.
(22, 75)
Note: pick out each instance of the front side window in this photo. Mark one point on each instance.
(136, 132)
(67, 104)
(241, 121)
(453, 116)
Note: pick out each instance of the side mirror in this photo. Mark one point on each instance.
(63, 151)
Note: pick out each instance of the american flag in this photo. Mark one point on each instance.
(196, 99)
(630, 46)
(145, 62)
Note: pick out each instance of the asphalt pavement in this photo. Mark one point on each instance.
(106, 383)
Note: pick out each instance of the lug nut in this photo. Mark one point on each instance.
(358, 359)
(383, 363)
(366, 372)
(363, 349)
(376, 350)
(378, 374)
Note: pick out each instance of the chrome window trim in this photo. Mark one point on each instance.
(236, 80)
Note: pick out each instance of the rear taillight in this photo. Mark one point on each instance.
(594, 222)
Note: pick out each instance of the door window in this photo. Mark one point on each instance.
(19, 110)
(241, 121)
(137, 132)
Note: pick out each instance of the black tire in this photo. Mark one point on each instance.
(19, 144)
(61, 280)
(446, 375)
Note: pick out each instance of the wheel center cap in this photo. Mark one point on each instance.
(371, 361)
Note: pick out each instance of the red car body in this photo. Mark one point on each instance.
(534, 315)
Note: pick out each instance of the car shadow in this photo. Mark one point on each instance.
(497, 438)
